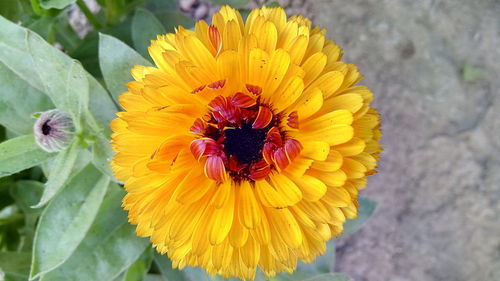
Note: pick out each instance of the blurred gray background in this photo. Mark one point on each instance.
(434, 67)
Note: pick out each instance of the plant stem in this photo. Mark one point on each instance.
(88, 14)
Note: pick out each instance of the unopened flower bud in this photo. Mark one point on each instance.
(54, 130)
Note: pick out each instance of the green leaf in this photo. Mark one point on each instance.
(137, 271)
(27, 193)
(109, 247)
(101, 155)
(77, 89)
(20, 153)
(15, 264)
(43, 26)
(145, 27)
(168, 273)
(12, 9)
(153, 277)
(60, 172)
(70, 89)
(18, 101)
(65, 34)
(67, 219)
(57, 4)
(365, 211)
(196, 274)
(21, 50)
(116, 60)
(233, 3)
(172, 19)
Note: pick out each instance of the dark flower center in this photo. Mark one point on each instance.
(245, 143)
(46, 128)
(243, 137)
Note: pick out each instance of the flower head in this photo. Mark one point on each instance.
(54, 130)
(246, 145)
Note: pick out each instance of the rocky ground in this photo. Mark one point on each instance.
(434, 66)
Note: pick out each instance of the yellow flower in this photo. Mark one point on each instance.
(246, 145)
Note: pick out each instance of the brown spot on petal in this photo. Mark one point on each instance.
(217, 84)
(256, 90)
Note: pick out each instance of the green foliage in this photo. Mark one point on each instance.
(15, 265)
(116, 59)
(109, 247)
(15, 115)
(60, 172)
(145, 27)
(138, 270)
(57, 4)
(20, 153)
(66, 220)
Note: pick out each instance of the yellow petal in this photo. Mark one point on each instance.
(250, 253)
(286, 189)
(333, 134)
(331, 164)
(291, 91)
(285, 224)
(351, 102)
(262, 233)
(312, 188)
(299, 166)
(248, 208)
(268, 195)
(313, 67)
(335, 117)
(316, 150)
(353, 147)
(336, 178)
(221, 221)
(353, 168)
(238, 234)
(308, 103)
(337, 197)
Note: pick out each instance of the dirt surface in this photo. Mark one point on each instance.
(434, 68)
